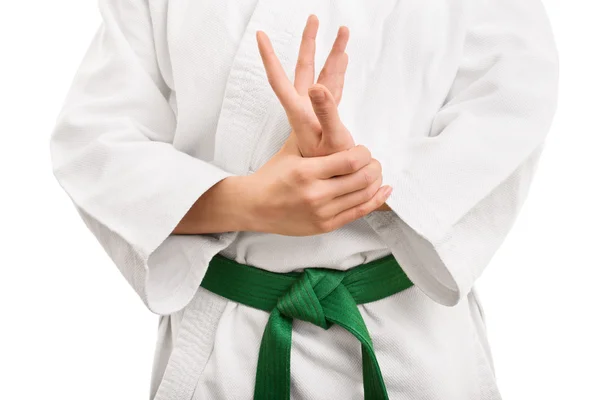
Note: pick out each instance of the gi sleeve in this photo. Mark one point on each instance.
(112, 153)
(457, 191)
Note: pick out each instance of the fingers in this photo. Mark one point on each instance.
(359, 211)
(334, 71)
(305, 67)
(363, 178)
(352, 199)
(340, 163)
(283, 88)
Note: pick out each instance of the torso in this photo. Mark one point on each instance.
(403, 58)
(225, 105)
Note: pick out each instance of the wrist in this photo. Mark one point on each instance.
(238, 203)
(222, 208)
(231, 202)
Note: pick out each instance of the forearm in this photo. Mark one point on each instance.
(222, 208)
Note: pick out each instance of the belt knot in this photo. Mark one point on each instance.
(303, 300)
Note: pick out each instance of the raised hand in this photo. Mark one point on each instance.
(312, 108)
(296, 98)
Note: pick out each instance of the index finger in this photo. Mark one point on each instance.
(283, 88)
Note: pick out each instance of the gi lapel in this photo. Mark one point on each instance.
(252, 125)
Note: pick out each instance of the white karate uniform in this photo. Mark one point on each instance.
(453, 97)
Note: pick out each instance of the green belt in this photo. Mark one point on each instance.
(320, 296)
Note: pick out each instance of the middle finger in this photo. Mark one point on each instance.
(305, 67)
(283, 88)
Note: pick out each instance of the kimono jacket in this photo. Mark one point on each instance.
(453, 97)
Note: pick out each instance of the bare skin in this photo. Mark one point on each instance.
(313, 139)
(319, 181)
(312, 108)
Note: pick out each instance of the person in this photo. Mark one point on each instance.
(248, 200)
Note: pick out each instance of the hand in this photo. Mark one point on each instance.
(316, 125)
(296, 196)
(295, 97)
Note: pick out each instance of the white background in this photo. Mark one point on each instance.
(71, 327)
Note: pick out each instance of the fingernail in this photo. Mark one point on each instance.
(316, 95)
(388, 192)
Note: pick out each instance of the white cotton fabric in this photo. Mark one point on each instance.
(454, 98)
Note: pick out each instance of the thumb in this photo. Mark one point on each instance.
(325, 108)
